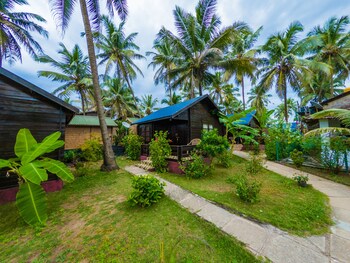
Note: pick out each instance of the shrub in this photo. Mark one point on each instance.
(330, 159)
(196, 168)
(132, 143)
(247, 191)
(71, 156)
(297, 157)
(333, 151)
(255, 164)
(312, 146)
(68, 156)
(301, 179)
(159, 150)
(212, 143)
(92, 150)
(81, 171)
(280, 141)
(225, 159)
(148, 190)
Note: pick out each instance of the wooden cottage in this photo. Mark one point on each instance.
(24, 105)
(184, 121)
(83, 127)
(341, 101)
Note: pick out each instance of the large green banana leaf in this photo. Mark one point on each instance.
(24, 142)
(55, 146)
(41, 148)
(32, 204)
(58, 168)
(33, 172)
(4, 163)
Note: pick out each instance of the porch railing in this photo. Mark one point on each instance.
(178, 152)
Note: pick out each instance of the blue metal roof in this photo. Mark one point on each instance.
(246, 119)
(171, 111)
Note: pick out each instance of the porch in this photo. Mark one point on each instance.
(179, 153)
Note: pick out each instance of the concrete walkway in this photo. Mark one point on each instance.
(261, 239)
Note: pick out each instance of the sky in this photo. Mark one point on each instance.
(147, 17)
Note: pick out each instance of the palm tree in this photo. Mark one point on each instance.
(163, 58)
(243, 58)
(148, 104)
(172, 100)
(14, 31)
(318, 88)
(258, 98)
(331, 44)
(200, 45)
(292, 107)
(118, 98)
(74, 73)
(342, 115)
(118, 50)
(285, 66)
(63, 9)
(231, 103)
(220, 89)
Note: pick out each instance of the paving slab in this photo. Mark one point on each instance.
(340, 248)
(253, 235)
(216, 215)
(318, 241)
(281, 249)
(194, 203)
(136, 170)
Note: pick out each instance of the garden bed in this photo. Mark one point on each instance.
(301, 211)
(90, 220)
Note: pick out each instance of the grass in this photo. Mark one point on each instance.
(300, 211)
(90, 220)
(341, 178)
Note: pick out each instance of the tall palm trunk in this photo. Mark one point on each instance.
(82, 97)
(168, 79)
(109, 163)
(331, 75)
(285, 102)
(243, 97)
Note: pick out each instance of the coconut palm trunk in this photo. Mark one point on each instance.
(243, 97)
(331, 76)
(285, 103)
(168, 79)
(109, 163)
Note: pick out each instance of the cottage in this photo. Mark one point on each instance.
(341, 101)
(24, 105)
(184, 121)
(84, 127)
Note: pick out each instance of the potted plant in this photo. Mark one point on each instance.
(301, 179)
(121, 132)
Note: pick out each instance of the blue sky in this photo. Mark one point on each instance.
(146, 17)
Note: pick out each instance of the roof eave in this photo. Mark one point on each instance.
(13, 77)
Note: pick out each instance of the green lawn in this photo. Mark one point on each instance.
(301, 211)
(90, 221)
(341, 178)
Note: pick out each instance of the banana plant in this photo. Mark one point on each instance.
(32, 167)
(233, 124)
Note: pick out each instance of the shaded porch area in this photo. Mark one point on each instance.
(179, 153)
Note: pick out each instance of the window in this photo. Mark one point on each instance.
(207, 127)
